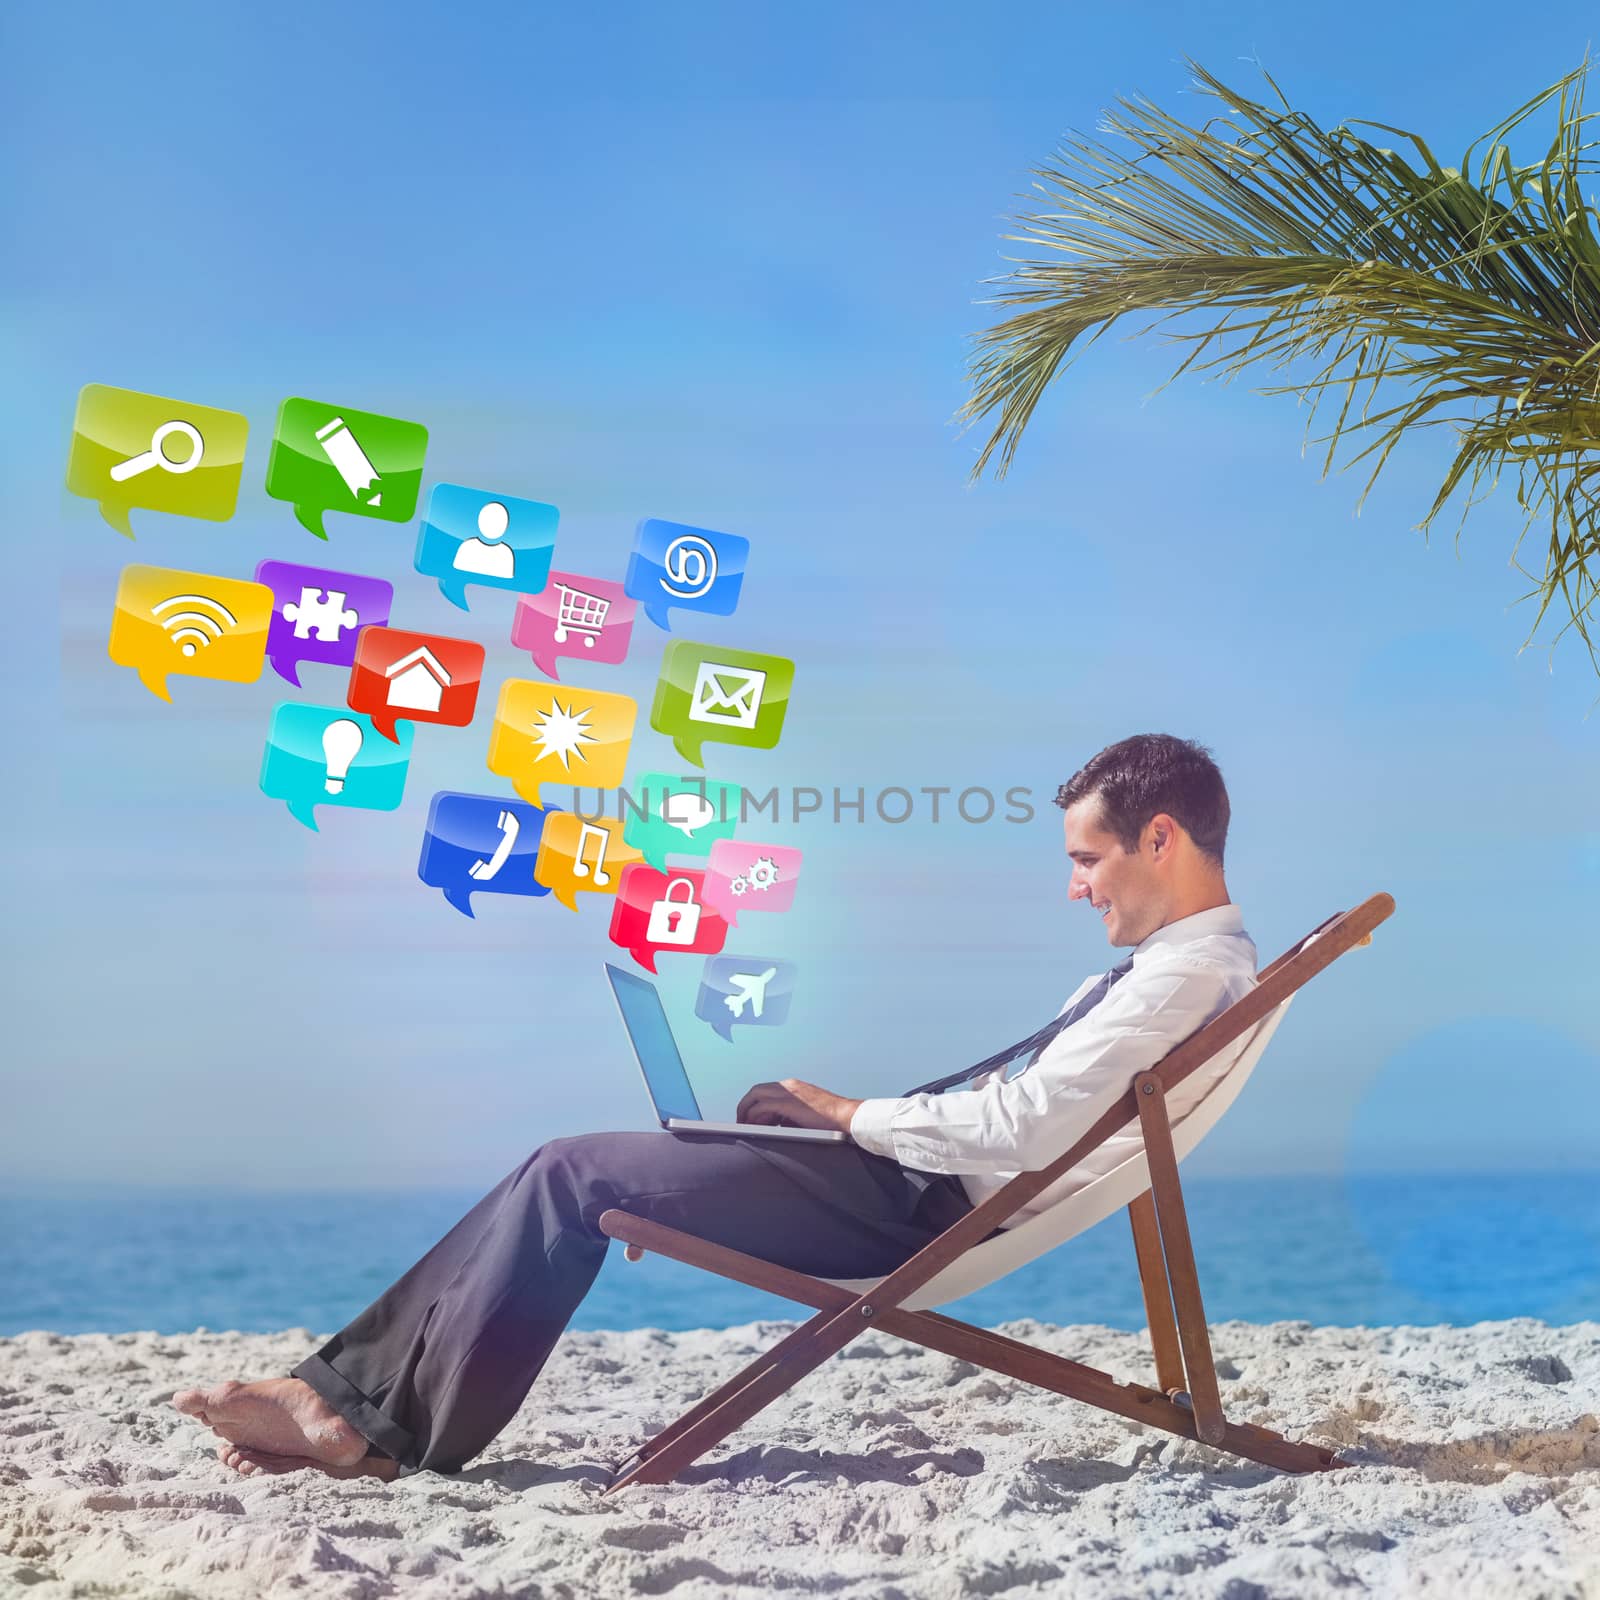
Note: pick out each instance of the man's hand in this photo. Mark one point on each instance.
(792, 1103)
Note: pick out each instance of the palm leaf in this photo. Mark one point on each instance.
(1471, 302)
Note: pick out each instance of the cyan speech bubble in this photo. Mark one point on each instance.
(655, 837)
(695, 569)
(310, 762)
(731, 988)
(474, 536)
(481, 844)
(745, 876)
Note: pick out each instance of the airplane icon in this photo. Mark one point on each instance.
(752, 991)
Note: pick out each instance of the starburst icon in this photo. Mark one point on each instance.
(562, 731)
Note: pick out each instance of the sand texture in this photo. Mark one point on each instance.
(890, 1472)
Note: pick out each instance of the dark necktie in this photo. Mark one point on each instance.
(1035, 1043)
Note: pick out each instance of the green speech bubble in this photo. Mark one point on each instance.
(709, 694)
(335, 458)
(668, 815)
(134, 449)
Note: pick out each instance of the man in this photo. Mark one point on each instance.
(430, 1372)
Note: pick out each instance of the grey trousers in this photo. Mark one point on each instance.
(439, 1363)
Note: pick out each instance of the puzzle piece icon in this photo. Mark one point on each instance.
(322, 611)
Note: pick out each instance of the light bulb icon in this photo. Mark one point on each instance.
(341, 743)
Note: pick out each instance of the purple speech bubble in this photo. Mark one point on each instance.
(589, 618)
(745, 876)
(317, 613)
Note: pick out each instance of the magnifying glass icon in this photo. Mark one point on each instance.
(155, 456)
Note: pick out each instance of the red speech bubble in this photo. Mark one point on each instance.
(664, 912)
(418, 677)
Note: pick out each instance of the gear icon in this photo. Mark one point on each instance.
(763, 873)
(739, 885)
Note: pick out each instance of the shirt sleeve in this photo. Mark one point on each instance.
(1024, 1124)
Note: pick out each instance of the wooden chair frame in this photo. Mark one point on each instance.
(1184, 1402)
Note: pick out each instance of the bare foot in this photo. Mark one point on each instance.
(253, 1463)
(275, 1416)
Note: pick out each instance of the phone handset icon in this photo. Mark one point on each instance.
(510, 827)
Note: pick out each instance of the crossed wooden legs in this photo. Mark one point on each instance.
(1191, 1409)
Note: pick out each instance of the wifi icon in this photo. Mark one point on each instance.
(194, 629)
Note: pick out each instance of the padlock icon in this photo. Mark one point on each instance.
(674, 921)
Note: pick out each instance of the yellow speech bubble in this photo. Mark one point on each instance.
(194, 624)
(549, 733)
(577, 857)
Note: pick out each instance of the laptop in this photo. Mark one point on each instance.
(666, 1082)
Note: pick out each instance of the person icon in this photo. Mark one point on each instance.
(482, 554)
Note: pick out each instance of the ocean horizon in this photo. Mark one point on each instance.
(1379, 1249)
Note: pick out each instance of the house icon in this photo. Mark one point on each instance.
(417, 680)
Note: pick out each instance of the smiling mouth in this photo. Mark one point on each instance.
(1105, 910)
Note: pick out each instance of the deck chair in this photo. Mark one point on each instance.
(1185, 1400)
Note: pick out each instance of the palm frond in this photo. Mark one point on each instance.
(1472, 300)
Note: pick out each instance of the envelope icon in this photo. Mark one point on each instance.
(727, 697)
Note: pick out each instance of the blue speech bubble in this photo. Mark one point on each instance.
(481, 844)
(745, 992)
(694, 569)
(473, 536)
(330, 756)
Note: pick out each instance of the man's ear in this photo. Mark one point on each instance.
(1163, 835)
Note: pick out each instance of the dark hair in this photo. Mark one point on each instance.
(1135, 778)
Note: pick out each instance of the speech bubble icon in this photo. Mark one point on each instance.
(131, 449)
(745, 876)
(481, 844)
(544, 733)
(695, 569)
(574, 616)
(193, 624)
(708, 694)
(327, 756)
(474, 536)
(335, 458)
(579, 857)
(423, 677)
(663, 912)
(317, 613)
(745, 992)
(665, 814)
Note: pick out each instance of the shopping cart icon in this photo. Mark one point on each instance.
(580, 612)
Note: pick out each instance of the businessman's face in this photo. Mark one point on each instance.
(1123, 886)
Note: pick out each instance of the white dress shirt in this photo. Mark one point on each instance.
(1182, 976)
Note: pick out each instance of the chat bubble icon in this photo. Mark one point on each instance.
(660, 913)
(422, 677)
(588, 618)
(695, 569)
(666, 814)
(481, 844)
(317, 613)
(335, 458)
(709, 694)
(134, 450)
(582, 857)
(544, 733)
(745, 876)
(475, 536)
(745, 992)
(328, 756)
(191, 624)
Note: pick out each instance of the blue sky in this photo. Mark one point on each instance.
(720, 265)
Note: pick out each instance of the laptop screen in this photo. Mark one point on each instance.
(646, 1021)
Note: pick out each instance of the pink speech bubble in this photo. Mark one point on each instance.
(742, 876)
(572, 615)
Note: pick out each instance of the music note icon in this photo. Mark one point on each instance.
(580, 868)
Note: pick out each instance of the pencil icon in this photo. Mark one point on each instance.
(343, 450)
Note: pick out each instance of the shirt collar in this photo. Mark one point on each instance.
(1201, 925)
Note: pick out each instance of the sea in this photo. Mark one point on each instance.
(1374, 1249)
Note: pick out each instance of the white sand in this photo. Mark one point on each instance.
(891, 1472)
